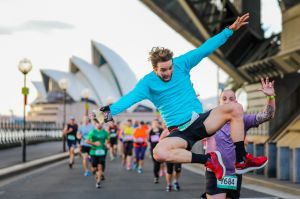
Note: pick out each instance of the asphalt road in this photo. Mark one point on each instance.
(12, 156)
(59, 182)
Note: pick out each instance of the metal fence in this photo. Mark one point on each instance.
(11, 132)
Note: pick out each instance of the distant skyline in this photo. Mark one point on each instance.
(49, 32)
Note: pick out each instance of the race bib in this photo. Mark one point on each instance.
(139, 140)
(128, 137)
(113, 135)
(228, 182)
(154, 138)
(71, 137)
(100, 152)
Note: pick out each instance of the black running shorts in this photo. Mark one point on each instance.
(96, 160)
(127, 148)
(85, 149)
(195, 132)
(113, 141)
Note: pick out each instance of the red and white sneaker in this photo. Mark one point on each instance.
(251, 163)
(216, 165)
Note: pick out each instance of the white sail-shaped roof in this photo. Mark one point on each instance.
(121, 71)
(97, 80)
(42, 94)
(74, 85)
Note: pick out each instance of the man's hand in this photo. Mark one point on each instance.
(267, 87)
(97, 143)
(107, 114)
(101, 115)
(239, 22)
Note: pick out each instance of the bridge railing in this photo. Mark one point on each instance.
(11, 132)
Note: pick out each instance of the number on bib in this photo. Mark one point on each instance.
(100, 152)
(228, 182)
(113, 135)
(71, 137)
(140, 140)
(154, 138)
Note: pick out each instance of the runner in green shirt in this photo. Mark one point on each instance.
(98, 139)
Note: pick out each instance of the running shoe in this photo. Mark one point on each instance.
(98, 186)
(140, 170)
(87, 173)
(134, 166)
(71, 165)
(176, 186)
(155, 180)
(216, 165)
(250, 163)
(169, 188)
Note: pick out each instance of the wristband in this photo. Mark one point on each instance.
(271, 97)
(104, 108)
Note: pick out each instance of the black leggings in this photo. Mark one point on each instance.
(173, 166)
(156, 165)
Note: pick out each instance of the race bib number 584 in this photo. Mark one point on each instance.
(228, 182)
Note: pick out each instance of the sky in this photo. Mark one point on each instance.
(49, 32)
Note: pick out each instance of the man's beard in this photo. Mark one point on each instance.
(163, 79)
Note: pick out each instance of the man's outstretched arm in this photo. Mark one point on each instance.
(134, 96)
(139, 93)
(192, 58)
(269, 111)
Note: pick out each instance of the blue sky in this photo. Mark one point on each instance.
(49, 32)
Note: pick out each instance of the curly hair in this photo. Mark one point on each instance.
(159, 54)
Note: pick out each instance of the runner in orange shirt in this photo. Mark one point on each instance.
(140, 137)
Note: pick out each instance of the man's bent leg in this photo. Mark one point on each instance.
(233, 113)
(220, 115)
(173, 149)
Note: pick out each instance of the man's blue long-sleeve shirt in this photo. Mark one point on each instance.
(175, 99)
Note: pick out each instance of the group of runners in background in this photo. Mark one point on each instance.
(128, 140)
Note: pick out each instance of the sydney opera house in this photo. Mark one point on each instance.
(87, 86)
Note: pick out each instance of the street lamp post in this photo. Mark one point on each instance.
(25, 67)
(86, 94)
(63, 84)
